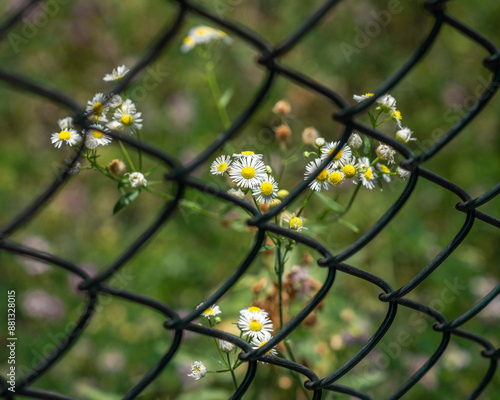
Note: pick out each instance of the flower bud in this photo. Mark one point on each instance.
(225, 346)
(282, 194)
(283, 132)
(403, 173)
(319, 142)
(268, 169)
(137, 179)
(386, 152)
(309, 135)
(306, 154)
(275, 203)
(282, 107)
(117, 167)
(355, 141)
(404, 135)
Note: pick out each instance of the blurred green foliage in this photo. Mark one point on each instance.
(193, 254)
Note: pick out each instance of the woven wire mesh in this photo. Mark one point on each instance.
(334, 263)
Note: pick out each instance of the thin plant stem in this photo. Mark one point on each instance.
(214, 87)
(351, 200)
(305, 203)
(127, 156)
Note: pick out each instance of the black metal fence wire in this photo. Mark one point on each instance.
(269, 59)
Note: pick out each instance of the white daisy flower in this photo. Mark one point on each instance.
(126, 118)
(202, 34)
(349, 170)
(248, 153)
(95, 107)
(225, 346)
(397, 117)
(294, 222)
(404, 135)
(266, 191)
(257, 343)
(255, 325)
(95, 137)
(198, 370)
(220, 165)
(366, 174)
(387, 103)
(360, 98)
(384, 171)
(321, 180)
(319, 142)
(248, 172)
(68, 136)
(403, 173)
(336, 178)
(211, 311)
(343, 156)
(137, 179)
(65, 123)
(251, 310)
(385, 152)
(118, 73)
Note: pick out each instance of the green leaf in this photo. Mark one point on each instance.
(330, 203)
(266, 247)
(225, 98)
(125, 200)
(348, 224)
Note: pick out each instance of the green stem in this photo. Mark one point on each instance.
(351, 200)
(214, 87)
(232, 372)
(139, 150)
(127, 156)
(305, 203)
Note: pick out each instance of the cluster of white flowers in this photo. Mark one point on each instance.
(248, 171)
(254, 324)
(105, 113)
(344, 166)
(202, 34)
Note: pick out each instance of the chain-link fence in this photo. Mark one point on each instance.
(180, 175)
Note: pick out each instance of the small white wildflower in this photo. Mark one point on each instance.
(266, 191)
(225, 346)
(366, 173)
(404, 135)
(387, 103)
(126, 118)
(95, 137)
(294, 222)
(211, 311)
(203, 34)
(198, 370)
(248, 172)
(255, 325)
(257, 343)
(118, 73)
(386, 152)
(321, 180)
(384, 172)
(403, 173)
(220, 165)
(360, 98)
(137, 179)
(68, 136)
(342, 157)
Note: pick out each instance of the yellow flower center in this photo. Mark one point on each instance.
(397, 114)
(97, 108)
(188, 39)
(322, 176)
(339, 154)
(255, 325)
(266, 188)
(384, 169)
(64, 135)
(248, 172)
(254, 309)
(335, 178)
(127, 120)
(368, 173)
(197, 368)
(222, 167)
(97, 134)
(208, 311)
(247, 153)
(349, 170)
(295, 223)
(369, 94)
(201, 31)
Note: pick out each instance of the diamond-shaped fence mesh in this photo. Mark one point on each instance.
(181, 176)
